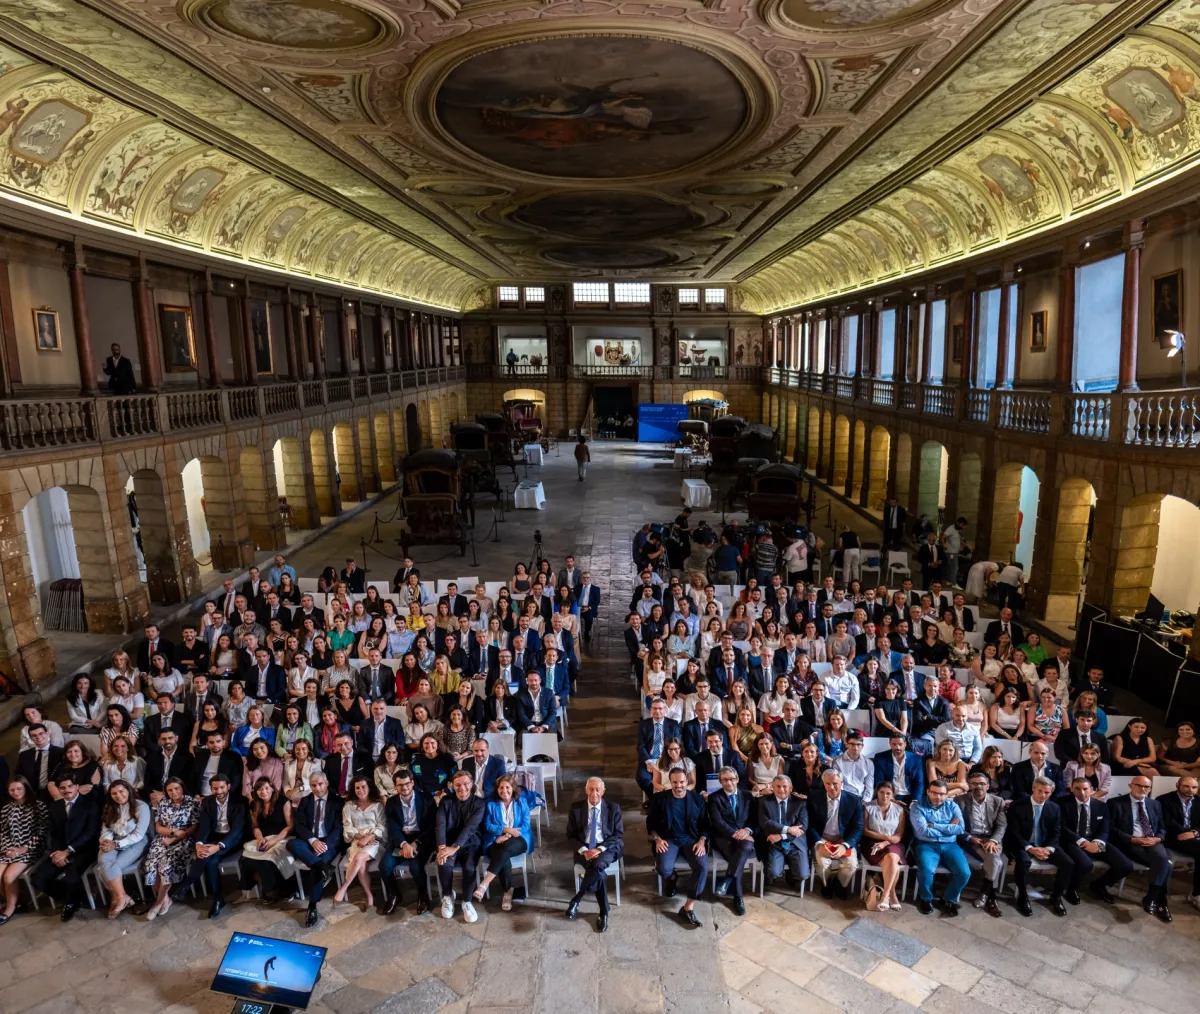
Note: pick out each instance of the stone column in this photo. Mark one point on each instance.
(1004, 336)
(1134, 233)
(966, 367)
(289, 336)
(88, 387)
(146, 335)
(23, 643)
(248, 336)
(1066, 318)
(210, 332)
(344, 339)
(927, 344)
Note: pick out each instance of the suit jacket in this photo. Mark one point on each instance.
(29, 767)
(120, 375)
(393, 732)
(492, 770)
(387, 682)
(705, 765)
(968, 619)
(612, 827)
(80, 832)
(556, 679)
(457, 604)
(931, 558)
(576, 578)
(356, 582)
(1066, 746)
(276, 682)
(281, 613)
(230, 765)
(718, 675)
(1098, 820)
(779, 661)
(304, 818)
(788, 742)
(684, 829)
(165, 647)
(914, 772)
(795, 813)
(1120, 816)
(874, 611)
(524, 702)
(592, 600)
(516, 676)
(726, 816)
(360, 764)
(206, 826)
(426, 814)
(849, 815)
(634, 642)
(694, 741)
(1022, 778)
(813, 716)
(894, 517)
(1173, 819)
(568, 644)
(1019, 832)
(191, 705)
(158, 770)
(482, 660)
(993, 815)
(299, 616)
(181, 725)
(671, 730)
(1016, 632)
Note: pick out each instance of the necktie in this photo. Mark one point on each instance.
(1037, 826)
(320, 826)
(594, 829)
(44, 770)
(656, 749)
(345, 775)
(1085, 824)
(716, 762)
(70, 803)
(1141, 805)
(729, 675)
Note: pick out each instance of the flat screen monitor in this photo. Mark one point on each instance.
(1154, 610)
(269, 970)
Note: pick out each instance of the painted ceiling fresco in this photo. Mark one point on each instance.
(423, 148)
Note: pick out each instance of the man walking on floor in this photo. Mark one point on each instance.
(583, 455)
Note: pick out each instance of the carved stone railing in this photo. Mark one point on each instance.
(979, 406)
(313, 393)
(281, 398)
(379, 383)
(937, 400)
(337, 390)
(193, 409)
(243, 403)
(1089, 416)
(883, 393)
(1163, 419)
(639, 372)
(133, 415)
(56, 422)
(908, 397)
(844, 387)
(1024, 411)
(362, 388)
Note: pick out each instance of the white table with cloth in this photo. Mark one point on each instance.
(529, 494)
(683, 457)
(533, 454)
(696, 493)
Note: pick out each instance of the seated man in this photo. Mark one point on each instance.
(857, 771)
(459, 819)
(982, 841)
(1084, 838)
(729, 811)
(1136, 827)
(73, 842)
(695, 732)
(835, 825)
(963, 734)
(937, 824)
(536, 711)
(902, 768)
(929, 712)
(1034, 829)
(652, 737)
(597, 834)
(791, 732)
(717, 754)
(1069, 742)
(782, 833)
(678, 824)
(841, 685)
(318, 837)
(1037, 765)
(1181, 817)
(220, 832)
(410, 822)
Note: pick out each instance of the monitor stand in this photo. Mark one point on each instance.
(258, 1007)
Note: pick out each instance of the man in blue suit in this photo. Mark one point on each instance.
(266, 680)
(318, 837)
(729, 820)
(481, 656)
(1137, 828)
(902, 768)
(536, 711)
(589, 605)
(505, 670)
(524, 656)
(559, 637)
(782, 829)
(653, 734)
(555, 678)
(483, 767)
(728, 671)
(379, 730)
(835, 827)
(717, 754)
(410, 823)
(695, 731)
(678, 826)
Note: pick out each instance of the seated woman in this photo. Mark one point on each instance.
(945, 625)
(948, 687)
(351, 708)
(426, 656)
(802, 676)
(673, 758)
(162, 678)
(744, 734)
(385, 770)
(1180, 755)
(340, 637)
(372, 602)
(993, 764)
(80, 765)
(1053, 681)
(840, 644)
(977, 711)
(260, 764)
(500, 709)
(1087, 701)
(320, 657)
(170, 853)
(532, 610)
(456, 735)
(1047, 718)
(883, 831)
(236, 705)
(420, 725)
(120, 664)
(1035, 652)
(871, 683)
(118, 725)
(710, 636)
(891, 713)
(760, 669)
(654, 674)
(1027, 668)
(255, 728)
(425, 695)
(506, 834)
(291, 731)
(832, 741)
(299, 674)
(298, 768)
(85, 706)
(520, 583)
(764, 765)
(949, 767)
(1090, 766)
(739, 697)
(124, 830)
(408, 673)
(962, 656)
(455, 654)
(468, 699)
(806, 770)
(325, 735)
(124, 695)
(770, 706)
(738, 623)
(431, 768)
(680, 644)
(364, 828)
(359, 619)
(1133, 750)
(211, 720)
(990, 666)
(812, 645)
(340, 672)
(24, 830)
(270, 828)
(123, 766)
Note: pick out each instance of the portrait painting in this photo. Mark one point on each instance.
(957, 335)
(1037, 331)
(45, 327)
(592, 106)
(260, 335)
(1168, 302)
(179, 343)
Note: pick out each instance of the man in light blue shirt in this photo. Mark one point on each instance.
(276, 571)
(963, 734)
(937, 823)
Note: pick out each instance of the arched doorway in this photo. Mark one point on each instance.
(412, 428)
(159, 566)
(322, 474)
(1014, 514)
(789, 430)
(904, 470)
(344, 461)
(1151, 523)
(766, 409)
(197, 513)
(385, 459)
(880, 451)
(1072, 535)
(260, 488)
(931, 488)
(814, 437)
(290, 472)
(827, 421)
(841, 452)
(970, 478)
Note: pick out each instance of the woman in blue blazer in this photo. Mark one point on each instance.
(506, 835)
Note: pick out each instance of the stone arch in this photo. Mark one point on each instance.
(1014, 513)
(880, 452)
(430, 421)
(367, 456)
(766, 408)
(261, 497)
(1149, 521)
(399, 443)
(931, 481)
(970, 482)
(814, 437)
(1072, 528)
(701, 393)
(412, 428)
(345, 457)
(904, 470)
(291, 472)
(827, 450)
(859, 443)
(171, 571)
(841, 452)
(385, 457)
(322, 473)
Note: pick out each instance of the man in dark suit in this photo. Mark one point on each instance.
(379, 730)
(695, 731)
(482, 657)
(271, 609)
(220, 832)
(307, 611)
(835, 826)
(154, 643)
(1069, 742)
(791, 732)
(1033, 832)
(201, 693)
(249, 587)
(588, 598)
(191, 654)
(596, 833)
(505, 670)
(483, 767)
(1004, 625)
(635, 641)
(266, 680)
(38, 764)
(213, 760)
(72, 844)
(318, 841)
(410, 822)
(678, 826)
(1037, 766)
(536, 711)
(902, 768)
(354, 578)
(786, 654)
(782, 830)
(1136, 827)
(345, 764)
(727, 671)
(653, 734)
(457, 604)
(524, 653)
(894, 517)
(119, 370)
(963, 617)
(729, 813)
(377, 681)
(1181, 818)
(717, 754)
(816, 707)
(1085, 839)
(169, 759)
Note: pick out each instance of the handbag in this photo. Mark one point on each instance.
(873, 896)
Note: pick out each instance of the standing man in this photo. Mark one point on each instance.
(937, 824)
(952, 543)
(931, 558)
(583, 455)
(894, 517)
(120, 372)
(597, 835)
(677, 824)
(317, 841)
(732, 836)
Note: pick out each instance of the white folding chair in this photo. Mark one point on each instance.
(443, 585)
(974, 611)
(1119, 786)
(615, 870)
(307, 585)
(871, 561)
(1010, 748)
(357, 663)
(502, 744)
(492, 588)
(534, 744)
(399, 711)
(1162, 784)
(753, 866)
(974, 639)
(822, 668)
(897, 563)
(873, 745)
(519, 864)
(859, 718)
(383, 587)
(1116, 724)
(866, 866)
(466, 585)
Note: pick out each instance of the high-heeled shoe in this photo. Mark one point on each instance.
(478, 893)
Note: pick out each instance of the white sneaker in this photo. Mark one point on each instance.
(447, 907)
(469, 913)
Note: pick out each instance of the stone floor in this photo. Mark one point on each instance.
(787, 955)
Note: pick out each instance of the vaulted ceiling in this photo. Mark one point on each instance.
(423, 148)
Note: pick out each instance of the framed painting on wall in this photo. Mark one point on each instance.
(957, 334)
(45, 328)
(260, 333)
(1168, 302)
(1037, 331)
(179, 343)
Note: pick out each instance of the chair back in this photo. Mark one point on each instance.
(503, 744)
(544, 744)
(1013, 749)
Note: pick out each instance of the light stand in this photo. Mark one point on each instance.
(1175, 344)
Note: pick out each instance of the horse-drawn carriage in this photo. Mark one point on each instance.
(501, 439)
(693, 433)
(523, 419)
(471, 447)
(707, 409)
(722, 442)
(433, 503)
(778, 496)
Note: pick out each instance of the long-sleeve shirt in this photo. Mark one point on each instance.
(966, 740)
(842, 689)
(858, 776)
(938, 825)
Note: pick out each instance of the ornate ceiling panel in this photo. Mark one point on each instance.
(798, 147)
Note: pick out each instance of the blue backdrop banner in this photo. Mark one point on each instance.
(658, 424)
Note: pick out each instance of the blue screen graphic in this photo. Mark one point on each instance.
(270, 970)
(659, 424)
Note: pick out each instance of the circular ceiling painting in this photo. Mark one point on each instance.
(851, 14)
(319, 25)
(600, 214)
(607, 255)
(592, 106)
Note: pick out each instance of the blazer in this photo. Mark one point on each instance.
(387, 682)
(612, 827)
(592, 600)
(165, 647)
(556, 679)
(492, 770)
(993, 815)
(634, 642)
(705, 765)
(276, 682)
(1099, 820)
(927, 715)
(684, 829)
(494, 710)
(479, 662)
(576, 578)
(524, 707)
(426, 812)
(158, 770)
(230, 765)
(206, 826)
(1022, 778)
(1120, 816)
(393, 732)
(30, 769)
(459, 823)
(850, 817)
(360, 764)
(914, 771)
(1066, 745)
(80, 832)
(304, 818)
(515, 675)
(809, 713)
(789, 743)
(238, 741)
(457, 604)
(1019, 832)
(181, 725)
(120, 375)
(671, 730)
(280, 612)
(1173, 819)
(695, 742)
(726, 816)
(795, 813)
(874, 611)
(718, 676)
(493, 819)
(1016, 631)
(191, 706)
(356, 580)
